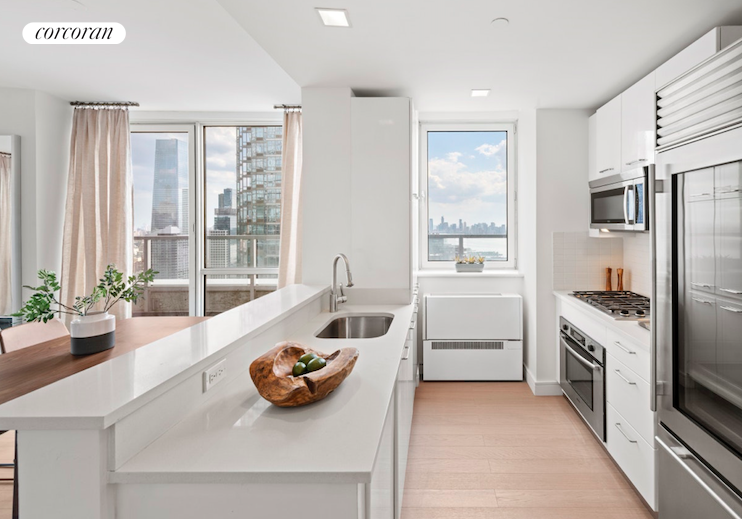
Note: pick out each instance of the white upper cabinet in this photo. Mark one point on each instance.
(700, 50)
(592, 144)
(638, 124)
(608, 149)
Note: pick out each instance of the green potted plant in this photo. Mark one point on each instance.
(469, 263)
(93, 329)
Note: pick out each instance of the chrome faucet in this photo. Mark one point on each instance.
(337, 295)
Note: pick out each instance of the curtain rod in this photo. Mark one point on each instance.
(6, 153)
(287, 107)
(84, 103)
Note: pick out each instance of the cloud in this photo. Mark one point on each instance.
(454, 156)
(489, 150)
(451, 181)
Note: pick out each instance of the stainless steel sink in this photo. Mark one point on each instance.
(357, 327)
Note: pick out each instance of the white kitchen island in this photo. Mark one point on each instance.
(137, 436)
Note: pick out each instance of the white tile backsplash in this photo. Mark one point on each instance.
(580, 261)
(637, 273)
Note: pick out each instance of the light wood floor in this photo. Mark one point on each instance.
(491, 451)
(494, 451)
(7, 446)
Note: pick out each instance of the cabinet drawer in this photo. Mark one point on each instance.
(634, 455)
(633, 355)
(629, 395)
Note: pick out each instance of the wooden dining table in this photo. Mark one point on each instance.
(32, 368)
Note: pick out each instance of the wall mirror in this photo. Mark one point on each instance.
(10, 227)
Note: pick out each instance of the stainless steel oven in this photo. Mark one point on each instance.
(620, 202)
(698, 327)
(581, 374)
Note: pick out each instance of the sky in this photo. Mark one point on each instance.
(467, 176)
(221, 160)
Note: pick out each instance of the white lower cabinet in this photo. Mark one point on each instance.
(629, 395)
(633, 454)
(381, 489)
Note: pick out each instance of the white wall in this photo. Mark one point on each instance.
(43, 122)
(53, 129)
(562, 205)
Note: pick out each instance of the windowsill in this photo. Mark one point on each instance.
(503, 273)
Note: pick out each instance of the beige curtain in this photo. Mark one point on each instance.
(289, 264)
(6, 290)
(98, 214)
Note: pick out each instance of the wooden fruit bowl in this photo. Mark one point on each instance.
(271, 374)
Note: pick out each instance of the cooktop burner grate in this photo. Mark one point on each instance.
(619, 304)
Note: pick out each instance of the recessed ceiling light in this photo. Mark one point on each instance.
(480, 92)
(334, 17)
(500, 22)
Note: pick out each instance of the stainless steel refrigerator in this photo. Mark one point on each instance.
(697, 327)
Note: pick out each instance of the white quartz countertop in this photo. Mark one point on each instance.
(102, 395)
(241, 438)
(629, 328)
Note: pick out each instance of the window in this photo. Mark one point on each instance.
(162, 171)
(469, 210)
(242, 201)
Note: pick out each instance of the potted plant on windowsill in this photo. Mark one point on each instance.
(470, 264)
(93, 329)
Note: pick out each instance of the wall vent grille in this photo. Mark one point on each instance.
(468, 345)
(704, 100)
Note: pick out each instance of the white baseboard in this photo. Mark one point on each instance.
(542, 388)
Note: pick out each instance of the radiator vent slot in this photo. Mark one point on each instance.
(468, 345)
(704, 100)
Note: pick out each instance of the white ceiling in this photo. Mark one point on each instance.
(192, 55)
(178, 55)
(554, 53)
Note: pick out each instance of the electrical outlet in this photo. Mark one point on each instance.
(215, 374)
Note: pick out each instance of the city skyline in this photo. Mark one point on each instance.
(467, 176)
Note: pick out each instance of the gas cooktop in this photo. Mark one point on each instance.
(621, 305)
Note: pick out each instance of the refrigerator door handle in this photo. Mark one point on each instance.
(679, 454)
(651, 195)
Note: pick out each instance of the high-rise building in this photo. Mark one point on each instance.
(184, 222)
(170, 172)
(170, 254)
(218, 250)
(259, 192)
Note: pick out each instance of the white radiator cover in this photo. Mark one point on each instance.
(473, 337)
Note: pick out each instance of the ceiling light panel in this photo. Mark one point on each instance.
(480, 92)
(333, 17)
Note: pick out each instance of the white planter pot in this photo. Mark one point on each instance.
(93, 333)
(469, 267)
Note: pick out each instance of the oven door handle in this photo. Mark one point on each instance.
(579, 357)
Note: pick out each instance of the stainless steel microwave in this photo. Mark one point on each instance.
(620, 202)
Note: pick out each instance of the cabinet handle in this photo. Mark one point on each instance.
(605, 171)
(702, 301)
(408, 353)
(702, 285)
(620, 375)
(731, 290)
(727, 189)
(700, 194)
(730, 309)
(637, 161)
(620, 429)
(624, 348)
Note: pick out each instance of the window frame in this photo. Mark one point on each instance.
(193, 166)
(203, 271)
(511, 199)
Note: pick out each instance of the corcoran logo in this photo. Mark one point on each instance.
(71, 33)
